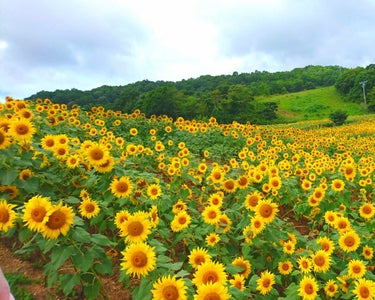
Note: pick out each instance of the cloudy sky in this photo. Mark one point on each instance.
(83, 44)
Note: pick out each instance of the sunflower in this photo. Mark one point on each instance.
(349, 241)
(244, 264)
(212, 239)
(330, 217)
(198, 256)
(356, 268)
(107, 166)
(96, 154)
(229, 185)
(21, 129)
(25, 174)
(252, 199)
(73, 161)
(138, 259)
(211, 214)
(60, 219)
(224, 223)
(243, 182)
(4, 139)
(364, 289)
(11, 190)
(153, 214)
(321, 261)
(36, 212)
(265, 282)
(7, 215)
(169, 288)
(216, 175)
(337, 185)
(275, 183)
(267, 210)
(136, 228)
(213, 291)
(285, 267)
(257, 225)
(304, 264)
(61, 151)
(154, 191)
(367, 252)
(180, 221)
(308, 288)
(210, 272)
(330, 288)
(121, 217)
(48, 142)
(179, 206)
(342, 224)
(238, 281)
(89, 208)
(216, 199)
(367, 211)
(289, 247)
(121, 187)
(326, 244)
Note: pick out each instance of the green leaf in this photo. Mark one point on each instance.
(83, 261)
(81, 235)
(72, 200)
(92, 291)
(60, 254)
(31, 185)
(101, 240)
(68, 282)
(8, 176)
(143, 291)
(174, 266)
(291, 292)
(182, 273)
(104, 267)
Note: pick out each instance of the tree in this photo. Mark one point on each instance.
(338, 117)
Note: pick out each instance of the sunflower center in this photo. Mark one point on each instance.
(285, 267)
(356, 269)
(2, 138)
(22, 129)
(61, 151)
(4, 216)
(217, 175)
(229, 185)
(182, 220)
(122, 187)
(212, 296)
(50, 143)
(265, 210)
(305, 265)
(139, 259)
(211, 214)
(319, 260)
(309, 289)
(266, 282)
(366, 209)
(364, 292)
(89, 207)
(38, 214)
(170, 292)
(210, 276)
(253, 200)
(96, 154)
(325, 246)
(56, 220)
(349, 241)
(257, 224)
(135, 228)
(199, 260)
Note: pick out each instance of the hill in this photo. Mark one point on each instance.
(311, 104)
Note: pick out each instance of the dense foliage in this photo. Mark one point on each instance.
(226, 97)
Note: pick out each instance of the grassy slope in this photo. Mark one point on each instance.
(311, 104)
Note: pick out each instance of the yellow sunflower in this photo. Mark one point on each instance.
(48, 142)
(198, 256)
(289, 247)
(304, 264)
(180, 221)
(216, 175)
(257, 225)
(244, 264)
(60, 219)
(252, 199)
(212, 239)
(326, 244)
(21, 129)
(7, 215)
(367, 252)
(138, 259)
(25, 174)
(154, 191)
(238, 281)
(265, 282)
(216, 199)
(169, 288)
(330, 217)
(73, 161)
(330, 288)
(356, 268)
(121, 217)
(224, 223)
(349, 241)
(364, 289)
(136, 228)
(229, 185)
(321, 261)
(367, 211)
(337, 185)
(107, 166)
(210, 272)
(96, 154)
(215, 291)
(267, 210)
(36, 212)
(89, 208)
(4, 139)
(153, 214)
(121, 187)
(211, 214)
(308, 288)
(285, 267)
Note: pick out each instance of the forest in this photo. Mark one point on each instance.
(226, 97)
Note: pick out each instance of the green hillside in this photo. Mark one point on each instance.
(312, 104)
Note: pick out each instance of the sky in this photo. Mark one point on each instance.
(84, 44)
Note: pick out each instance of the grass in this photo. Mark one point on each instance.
(313, 104)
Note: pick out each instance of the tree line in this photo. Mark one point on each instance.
(226, 97)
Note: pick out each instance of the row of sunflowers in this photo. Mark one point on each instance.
(187, 209)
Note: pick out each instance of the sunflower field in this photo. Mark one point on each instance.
(188, 209)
